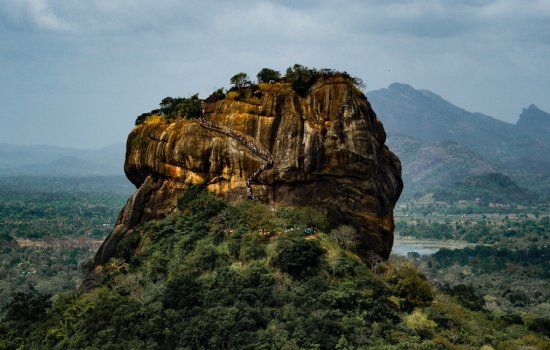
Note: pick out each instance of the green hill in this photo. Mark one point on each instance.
(493, 188)
(245, 276)
(426, 165)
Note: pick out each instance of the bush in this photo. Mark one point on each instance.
(540, 325)
(303, 217)
(298, 257)
(27, 306)
(346, 236)
(182, 292)
(410, 285)
(126, 246)
(181, 107)
(233, 95)
(302, 77)
(142, 117)
(197, 200)
(466, 295)
(171, 108)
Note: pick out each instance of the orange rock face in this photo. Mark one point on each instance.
(327, 150)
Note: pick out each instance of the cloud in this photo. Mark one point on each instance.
(20, 14)
(44, 17)
(103, 52)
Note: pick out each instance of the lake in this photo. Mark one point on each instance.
(401, 245)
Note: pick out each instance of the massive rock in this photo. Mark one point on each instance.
(327, 148)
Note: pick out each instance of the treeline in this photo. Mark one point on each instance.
(36, 208)
(486, 189)
(506, 232)
(486, 258)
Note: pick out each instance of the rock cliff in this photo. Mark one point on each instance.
(323, 148)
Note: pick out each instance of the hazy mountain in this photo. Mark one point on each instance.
(426, 165)
(535, 122)
(428, 117)
(47, 160)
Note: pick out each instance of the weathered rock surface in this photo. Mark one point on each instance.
(327, 147)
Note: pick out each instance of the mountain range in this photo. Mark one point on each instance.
(44, 160)
(440, 143)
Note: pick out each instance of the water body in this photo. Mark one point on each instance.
(402, 246)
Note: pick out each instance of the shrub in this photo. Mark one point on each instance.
(410, 285)
(232, 95)
(303, 217)
(126, 246)
(346, 236)
(418, 321)
(181, 107)
(251, 246)
(142, 117)
(27, 306)
(298, 257)
(302, 77)
(171, 108)
(466, 295)
(197, 200)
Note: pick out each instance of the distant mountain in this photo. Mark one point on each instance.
(535, 122)
(47, 160)
(426, 165)
(423, 115)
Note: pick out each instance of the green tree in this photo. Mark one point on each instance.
(240, 80)
(302, 77)
(267, 75)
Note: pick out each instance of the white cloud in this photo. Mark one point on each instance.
(514, 9)
(37, 13)
(473, 52)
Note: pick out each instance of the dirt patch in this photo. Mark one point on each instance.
(91, 243)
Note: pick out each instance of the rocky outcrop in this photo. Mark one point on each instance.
(326, 147)
(535, 122)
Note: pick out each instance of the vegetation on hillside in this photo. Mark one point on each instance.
(297, 78)
(494, 188)
(247, 277)
(172, 108)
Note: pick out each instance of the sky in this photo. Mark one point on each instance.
(76, 73)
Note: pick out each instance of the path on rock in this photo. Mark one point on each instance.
(246, 140)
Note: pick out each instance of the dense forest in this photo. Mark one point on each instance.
(246, 277)
(506, 270)
(49, 227)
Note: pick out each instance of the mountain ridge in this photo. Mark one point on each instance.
(423, 121)
(427, 116)
(48, 160)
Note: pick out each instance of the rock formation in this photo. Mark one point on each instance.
(324, 148)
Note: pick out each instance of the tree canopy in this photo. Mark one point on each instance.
(268, 75)
(240, 80)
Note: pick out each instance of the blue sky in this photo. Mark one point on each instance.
(76, 73)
